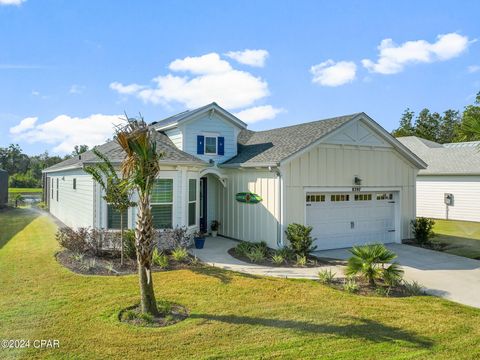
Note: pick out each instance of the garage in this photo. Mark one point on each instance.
(345, 219)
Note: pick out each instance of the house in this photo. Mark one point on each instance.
(345, 176)
(3, 188)
(449, 188)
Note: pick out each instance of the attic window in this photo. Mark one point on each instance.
(210, 145)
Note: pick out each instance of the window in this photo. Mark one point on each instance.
(210, 145)
(315, 198)
(57, 189)
(113, 218)
(363, 197)
(52, 188)
(384, 196)
(192, 202)
(162, 203)
(339, 197)
(74, 184)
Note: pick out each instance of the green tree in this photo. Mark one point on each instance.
(79, 149)
(406, 127)
(469, 129)
(141, 167)
(427, 125)
(117, 193)
(449, 125)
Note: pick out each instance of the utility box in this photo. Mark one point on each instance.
(3, 188)
(448, 199)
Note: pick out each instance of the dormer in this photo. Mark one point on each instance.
(209, 133)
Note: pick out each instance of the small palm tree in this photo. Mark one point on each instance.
(18, 198)
(370, 260)
(140, 168)
(117, 193)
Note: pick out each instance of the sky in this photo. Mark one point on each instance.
(69, 70)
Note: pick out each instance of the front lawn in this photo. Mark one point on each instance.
(231, 315)
(24, 190)
(458, 237)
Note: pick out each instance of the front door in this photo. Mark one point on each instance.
(203, 204)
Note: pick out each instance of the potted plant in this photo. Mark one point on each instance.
(199, 239)
(214, 227)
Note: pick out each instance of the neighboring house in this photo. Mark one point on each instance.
(346, 176)
(3, 188)
(452, 176)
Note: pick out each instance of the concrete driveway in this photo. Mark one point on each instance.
(452, 277)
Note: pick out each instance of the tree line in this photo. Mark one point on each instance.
(26, 171)
(451, 126)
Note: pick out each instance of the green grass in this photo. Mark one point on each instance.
(231, 315)
(459, 237)
(24, 190)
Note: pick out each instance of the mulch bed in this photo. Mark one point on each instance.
(311, 261)
(109, 264)
(365, 289)
(132, 316)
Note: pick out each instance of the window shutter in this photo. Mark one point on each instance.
(200, 144)
(221, 145)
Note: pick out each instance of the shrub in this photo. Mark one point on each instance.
(169, 239)
(129, 248)
(278, 259)
(243, 248)
(215, 224)
(179, 254)
(300, 239)
(370, 260)
(350, 285)
(78, 257)
(73, 240)
(413, 288)
(326, 276)
(164, 307)
(256, 254)
(286, 252)
(422, 229)
(301, 261)
(160, 259)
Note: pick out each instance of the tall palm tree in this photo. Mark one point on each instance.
(117, 194)
(141, 167)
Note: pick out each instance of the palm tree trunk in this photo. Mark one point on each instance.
(144, 245)
(121, 238)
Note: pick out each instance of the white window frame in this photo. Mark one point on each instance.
(195, 223)
(167, 203)
(205, 144)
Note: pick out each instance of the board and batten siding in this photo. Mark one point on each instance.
(465, 190)
(215, 126)
(75, 207)
(176, 136)
(336, 166)
(249, 222)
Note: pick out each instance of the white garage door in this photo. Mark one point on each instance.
(345, 219)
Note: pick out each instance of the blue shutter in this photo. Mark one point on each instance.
(221, 145)
(200, 144)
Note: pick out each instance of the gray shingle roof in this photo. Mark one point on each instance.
(445, 159)
(115, 154)
(272, 146)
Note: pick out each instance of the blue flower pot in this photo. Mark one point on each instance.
(199, 243)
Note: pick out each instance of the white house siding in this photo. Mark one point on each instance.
(212, 203)
(75, 208)
(215, 126)
(176, 136)
(335, 166)
(249, 222)
(466, 192)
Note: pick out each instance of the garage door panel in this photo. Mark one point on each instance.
(348, 223)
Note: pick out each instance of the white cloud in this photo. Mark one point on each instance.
(331, 73)
(64, 132)
(249, 57)
(213, 79)
(76, 89)
(473, 68)
(125, 89)
(258, 113)
(393, 58)
(12, 2)
(26, 124)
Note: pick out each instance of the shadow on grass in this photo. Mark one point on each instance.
(12, 221)
(224, 275)
(358, 328)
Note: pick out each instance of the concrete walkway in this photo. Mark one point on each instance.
(452, 277)
(215, 253)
